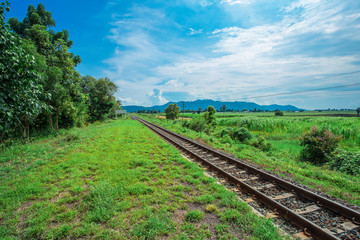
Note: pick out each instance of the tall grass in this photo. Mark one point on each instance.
(348, 128)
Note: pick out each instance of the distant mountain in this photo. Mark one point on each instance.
(203, 104)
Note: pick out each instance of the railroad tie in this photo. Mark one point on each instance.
(270, 185)
(308, 209)
(282, 196)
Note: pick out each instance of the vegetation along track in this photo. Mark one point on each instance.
(317, 216)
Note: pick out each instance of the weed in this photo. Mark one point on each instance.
(101, 201)
(194, 216)
(155, 225)
(207, 198)
(211, 208)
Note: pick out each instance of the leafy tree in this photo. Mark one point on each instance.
(61, 81)
(210, 115)
(101, 100)
(20, 89)
(199, 111)
(278, 113)
(223, 108)
(172, 111)
(358, 111)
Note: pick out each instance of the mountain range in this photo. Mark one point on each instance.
(203, 104)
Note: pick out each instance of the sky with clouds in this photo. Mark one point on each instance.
(304, 52)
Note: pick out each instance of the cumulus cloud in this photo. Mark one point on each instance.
(313, 44)
(156, 97)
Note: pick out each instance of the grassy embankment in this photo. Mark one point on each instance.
(284, 157)
(116, 180)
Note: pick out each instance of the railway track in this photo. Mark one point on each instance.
(317, 216)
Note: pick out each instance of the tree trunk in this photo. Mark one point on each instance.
(57, 118)
(50, 121)
(26, 128)
(50, 118)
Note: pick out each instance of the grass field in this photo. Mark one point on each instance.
(271, 114)
(116, 180)
(284, 156)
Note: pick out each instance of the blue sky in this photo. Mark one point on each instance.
(231, 50)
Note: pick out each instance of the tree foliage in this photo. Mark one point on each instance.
(20, 90)
(100, 97)
(223, 108)
(318, 145)
(39, 84)
(172, 111)
(278, 113)
(210, 116)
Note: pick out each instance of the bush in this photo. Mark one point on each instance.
(347, 162)
(226, 132)
(260, 143)
(197, 124)
(278, 113)
(318, 145)
(242, 134)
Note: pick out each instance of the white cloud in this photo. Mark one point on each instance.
(156, 97)
(243, 62)
(127, 101)
(193, 31)
(255, 58)
(174, 83)
(240, 2)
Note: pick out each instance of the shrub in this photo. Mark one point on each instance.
(260, 143)
(226, 132)
(318, 145)
(197, 124)
(347, 162)
(278, 113)
(242, 134)
(212, 208)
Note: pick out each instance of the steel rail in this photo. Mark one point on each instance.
(320, 200)
(302, 222)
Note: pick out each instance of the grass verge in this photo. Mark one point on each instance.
(116, 180)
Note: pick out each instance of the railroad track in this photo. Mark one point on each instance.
(317, 216)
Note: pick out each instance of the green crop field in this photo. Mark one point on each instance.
(281, 137)
(116, 180)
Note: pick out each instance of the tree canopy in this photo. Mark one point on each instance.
(172, 111)
(39, 84)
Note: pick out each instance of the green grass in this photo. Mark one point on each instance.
(194, 216)
(115, 180)
(284, 156)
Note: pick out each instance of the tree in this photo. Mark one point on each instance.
(20, 89)
(223, 108)
(210, 115)
(278, 113)
(101, 100)
(172, 111)
(61, 82)
(199, 111)
(358, 111)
